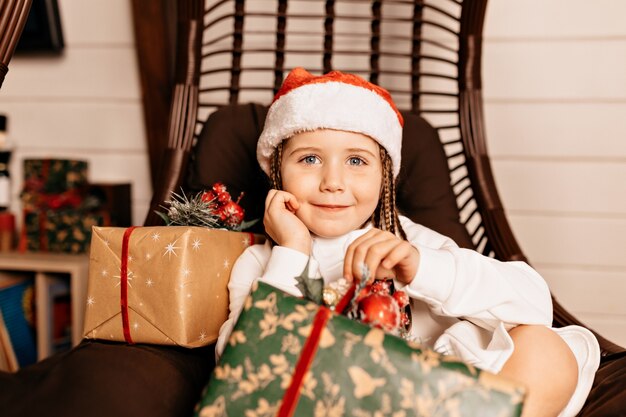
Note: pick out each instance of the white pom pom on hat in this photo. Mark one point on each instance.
(337, 101)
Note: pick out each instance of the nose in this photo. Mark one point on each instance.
(332, 178)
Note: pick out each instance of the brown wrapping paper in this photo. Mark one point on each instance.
(177, 283)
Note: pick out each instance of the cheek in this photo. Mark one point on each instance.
(296, 183)
(368, 192)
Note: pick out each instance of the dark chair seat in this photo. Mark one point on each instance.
(102, 379)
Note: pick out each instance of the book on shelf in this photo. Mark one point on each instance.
(8, 360)
(16, 307)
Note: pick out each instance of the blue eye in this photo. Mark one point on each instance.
(356, 161)
(310, 159)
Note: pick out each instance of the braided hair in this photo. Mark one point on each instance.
(384, 217)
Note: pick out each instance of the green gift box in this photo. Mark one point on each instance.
(54, 176)
(284, 359)
(65, 230)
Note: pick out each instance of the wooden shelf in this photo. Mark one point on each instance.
(48, 268)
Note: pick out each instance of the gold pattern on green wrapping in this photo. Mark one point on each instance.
(264, 409)
(385, 410)
(271, 320)
(226, 373)
(351, 340)
(420, 403)
(332, 403)
(291, 344)
(428, 359)
(237, 337)
(364, 383)
(256, 378)
(375, 339)
(326, 339)
(217, 409)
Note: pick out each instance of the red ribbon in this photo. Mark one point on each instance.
(292, 394)
(124, 284)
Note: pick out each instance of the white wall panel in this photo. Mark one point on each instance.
(575, 241)
(67, 125)
(560, 130)
(575, 290)
(562, 186)
(96, 22)
(555, 70)
(541, 19)
(80, 73)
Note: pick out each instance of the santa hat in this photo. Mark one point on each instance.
(332, 101)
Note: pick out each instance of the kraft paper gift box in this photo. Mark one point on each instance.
(161, 285)
(355, 370)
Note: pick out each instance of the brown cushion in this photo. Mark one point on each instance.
(608, 394)
(226, 152)
(103, 379)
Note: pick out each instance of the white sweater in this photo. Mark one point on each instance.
(462, 303)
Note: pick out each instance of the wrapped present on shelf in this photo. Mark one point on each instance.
(54, 176)
(161, 285)
(65, 230)
(289, 356)
(59, 206)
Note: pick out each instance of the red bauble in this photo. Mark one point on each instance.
(380, 310)
(218, 187)
(381, 286)
(401, 298)
(208, 196)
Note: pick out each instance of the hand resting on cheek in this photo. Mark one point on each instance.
(282, 224)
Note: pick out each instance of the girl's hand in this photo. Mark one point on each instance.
(385, 254)
(282, 224)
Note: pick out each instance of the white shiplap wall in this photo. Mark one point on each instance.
(85, 104)
(555, 94)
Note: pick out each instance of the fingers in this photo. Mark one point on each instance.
(281, 200)
(380, 251)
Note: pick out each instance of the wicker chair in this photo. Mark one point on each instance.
(13, 14)
(427, 53)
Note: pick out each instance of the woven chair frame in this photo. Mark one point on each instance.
(13, 14)
(426, 53)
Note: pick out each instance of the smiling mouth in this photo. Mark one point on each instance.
(330, 207)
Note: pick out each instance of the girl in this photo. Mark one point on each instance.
(331, 147)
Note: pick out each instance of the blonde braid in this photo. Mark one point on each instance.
(386, 215)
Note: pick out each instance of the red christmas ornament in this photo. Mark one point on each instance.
(381, 286)
(401, 298)
(223, 197)
(218, 188)
(380, 310)
(208, 196)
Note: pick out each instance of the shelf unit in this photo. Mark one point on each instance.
(48, 269)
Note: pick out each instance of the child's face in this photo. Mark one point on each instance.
(336, 177)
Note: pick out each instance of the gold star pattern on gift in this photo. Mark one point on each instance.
(170, 249)
(130, 275)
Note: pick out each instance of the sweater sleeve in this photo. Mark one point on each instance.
(277, 266)
(463, 283)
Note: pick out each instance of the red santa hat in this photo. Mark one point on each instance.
(332, 101)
